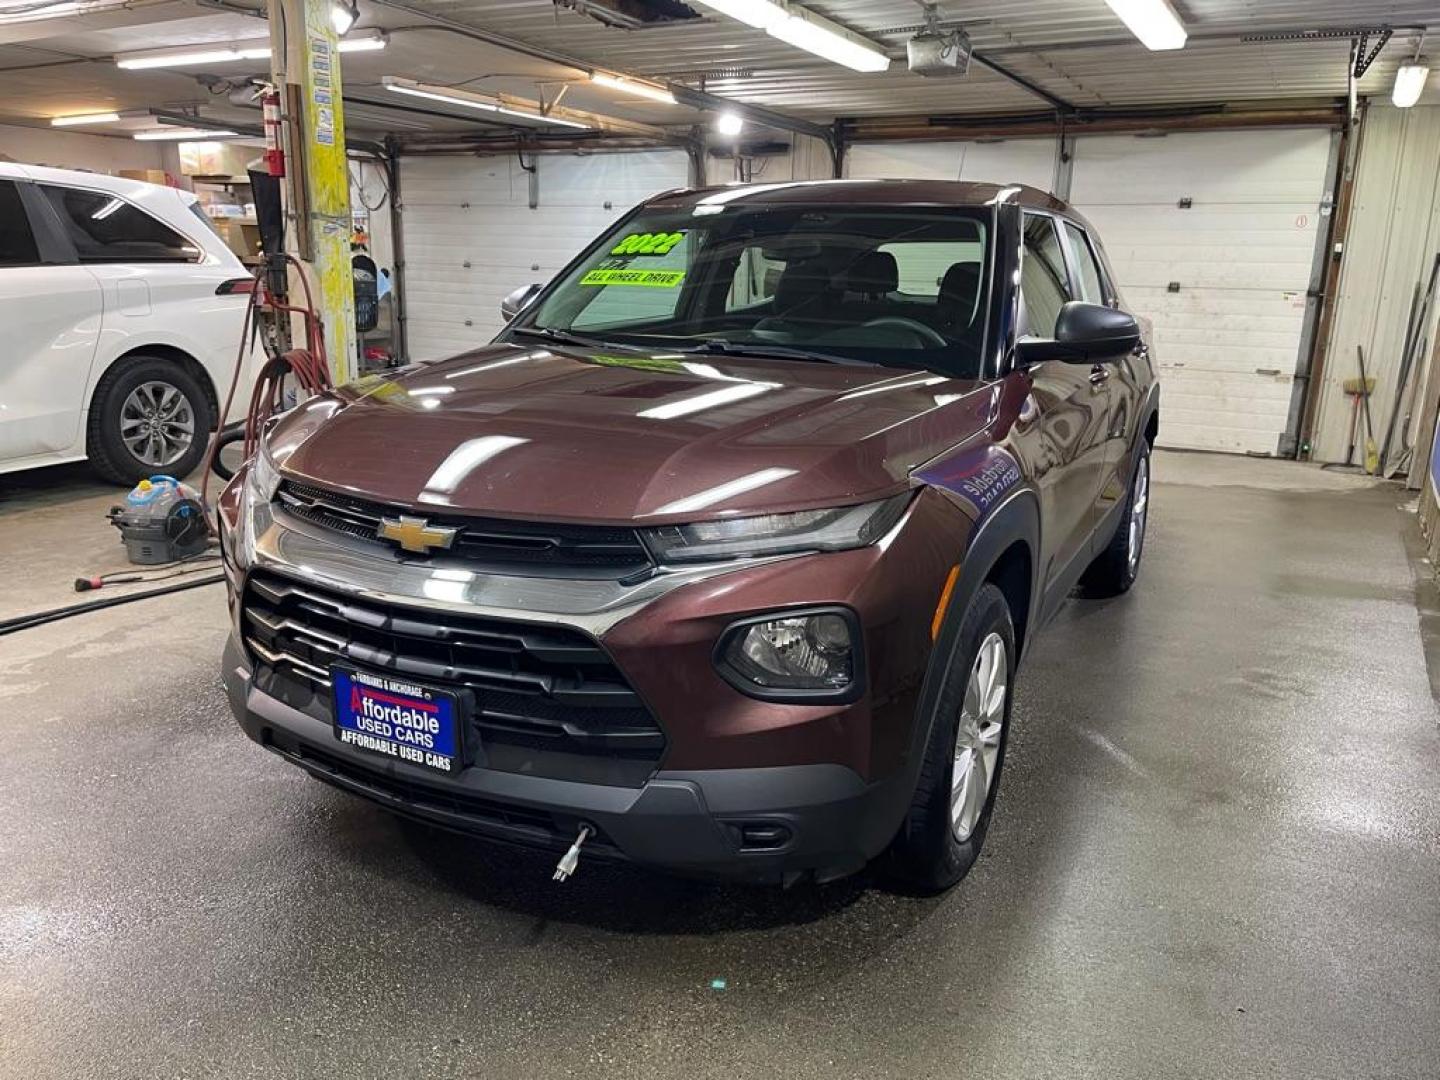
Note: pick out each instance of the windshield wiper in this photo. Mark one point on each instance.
(766, 351)
(564, 337)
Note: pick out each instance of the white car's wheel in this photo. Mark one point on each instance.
(150, 416)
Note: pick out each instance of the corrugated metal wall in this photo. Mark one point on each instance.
(1393, 236)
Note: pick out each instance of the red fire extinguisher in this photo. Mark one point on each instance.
(274, 148)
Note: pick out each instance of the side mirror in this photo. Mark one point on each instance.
(513, 304)
(1083, 333)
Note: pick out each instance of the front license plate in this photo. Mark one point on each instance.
(398, 719)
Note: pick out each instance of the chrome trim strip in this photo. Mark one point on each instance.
(363, 573)
(301, 667)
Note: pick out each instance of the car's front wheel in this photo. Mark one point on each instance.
(955, 797)
(149, 416)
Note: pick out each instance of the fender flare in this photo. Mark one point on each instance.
(1016, 518)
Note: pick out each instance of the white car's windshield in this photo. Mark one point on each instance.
(903, 287)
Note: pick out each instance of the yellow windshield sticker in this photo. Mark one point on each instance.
(647, 243)
(656, 279)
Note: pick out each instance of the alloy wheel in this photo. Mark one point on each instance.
(157, 424)
(1139, 503)
(977, 741)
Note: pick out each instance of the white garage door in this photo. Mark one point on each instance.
(1013, 161)
(1240, 257)
(471, 236)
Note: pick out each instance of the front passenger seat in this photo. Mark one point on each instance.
(959, 289)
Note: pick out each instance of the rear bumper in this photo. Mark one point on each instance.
(770, 824)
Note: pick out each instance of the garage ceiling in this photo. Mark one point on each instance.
(1074, 49)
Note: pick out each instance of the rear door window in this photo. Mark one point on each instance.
(17, 241)
(1092, 288)
(1044, 283)
(106, 229)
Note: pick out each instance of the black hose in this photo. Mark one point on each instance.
(230, 433)
(39, 618)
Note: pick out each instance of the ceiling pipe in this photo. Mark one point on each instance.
(684, 95)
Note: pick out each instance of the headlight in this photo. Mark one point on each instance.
(838, 529)
(262, 479)
(799, 656)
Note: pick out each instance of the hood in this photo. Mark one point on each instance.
(572, 435)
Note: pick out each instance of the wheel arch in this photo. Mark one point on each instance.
(156, 350)
(1003, 549)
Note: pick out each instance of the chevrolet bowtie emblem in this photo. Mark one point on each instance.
(416, 534)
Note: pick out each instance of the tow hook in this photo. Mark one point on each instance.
(571, 859)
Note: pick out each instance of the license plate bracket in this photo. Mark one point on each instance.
(396, 718)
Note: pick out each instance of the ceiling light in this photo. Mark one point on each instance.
(761, 14)
(343, 16)
(166, 134)
(191, 55)
(465, 99)
(1154, 22)
(729, 124)
(366, 41)
(1410, 82)
(803, 28)
(806, 30)
(633, 86)
(84, 118)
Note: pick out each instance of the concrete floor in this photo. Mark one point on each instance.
(1217, 854)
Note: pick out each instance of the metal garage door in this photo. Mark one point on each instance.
(1224, 277)
(1012, 161)
(471, 236)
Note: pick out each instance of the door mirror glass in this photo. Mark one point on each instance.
(517, 300)
(1083, 333)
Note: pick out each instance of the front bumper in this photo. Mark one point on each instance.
(765, 824)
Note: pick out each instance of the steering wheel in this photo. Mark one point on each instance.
(928, 334)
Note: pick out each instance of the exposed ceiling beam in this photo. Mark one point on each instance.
(1091, 121)
(685, 95)
(1020, 80)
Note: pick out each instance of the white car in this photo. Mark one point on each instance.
(122, 311)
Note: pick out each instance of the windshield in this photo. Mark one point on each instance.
(902, 287)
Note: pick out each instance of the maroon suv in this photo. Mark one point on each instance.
(723, 556)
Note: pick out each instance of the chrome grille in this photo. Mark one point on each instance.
(548, 548)
(538, 689)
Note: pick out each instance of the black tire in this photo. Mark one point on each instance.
(1113, 571)
(927, 855)
(109, 455)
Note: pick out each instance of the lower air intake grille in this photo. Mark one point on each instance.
(548, 699)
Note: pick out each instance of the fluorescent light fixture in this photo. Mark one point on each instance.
(806, 30)
(761, 14)
(84, 118)
(465, 99)
(167, 134)
(343, 16)
(1410, 82)
(1154, 22)
(729, 124)
(187, 56)
(190, 55)
(633, 86)
(803, 28)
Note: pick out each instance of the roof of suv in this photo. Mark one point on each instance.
(864, 193)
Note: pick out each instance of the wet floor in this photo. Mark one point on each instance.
(1216, 854)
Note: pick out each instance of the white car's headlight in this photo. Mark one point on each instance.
(837, 529)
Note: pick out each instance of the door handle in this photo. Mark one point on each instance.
(1099, 375)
